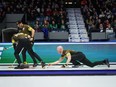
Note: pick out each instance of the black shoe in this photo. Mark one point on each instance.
(35, 65)
(19, 67)
(107, 62)
(43, 64)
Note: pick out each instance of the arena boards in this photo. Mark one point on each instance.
(93, 51)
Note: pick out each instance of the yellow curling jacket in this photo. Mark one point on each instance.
(68, 52)
(26, 29)
(18, 36)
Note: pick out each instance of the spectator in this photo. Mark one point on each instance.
(48, 12)
(109, 29)
(45, 29)
(83, 2)
(41, 18)
(102, 15)
(106, 24)
(114, 26)
(37, 26)
(90, 22)
(108, 13)
(98, 22)
(101, 28)
(63, 26)
(113, 10)
(53, 26)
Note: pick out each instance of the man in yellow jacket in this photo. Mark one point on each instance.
(75, 57)
(23, 41)
(26, 29)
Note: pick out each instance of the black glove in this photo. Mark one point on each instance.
(14, 46)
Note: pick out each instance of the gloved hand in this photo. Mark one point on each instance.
(14, 45)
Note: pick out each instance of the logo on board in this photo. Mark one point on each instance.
(1, 50)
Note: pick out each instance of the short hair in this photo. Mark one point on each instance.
(18, 22)
(59, 47)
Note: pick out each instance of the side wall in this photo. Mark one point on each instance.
(47, 51)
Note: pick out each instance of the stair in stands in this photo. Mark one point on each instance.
(76, 25)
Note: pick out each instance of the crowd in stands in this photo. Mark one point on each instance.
(41, 14)
(50, 15)
(99, 15)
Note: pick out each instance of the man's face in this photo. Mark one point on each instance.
(20, 25)
(60, 51)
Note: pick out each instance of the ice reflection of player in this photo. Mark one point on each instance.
(76, 57)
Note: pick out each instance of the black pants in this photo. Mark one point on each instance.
(79, 56)
(24, 54)
(25, 44)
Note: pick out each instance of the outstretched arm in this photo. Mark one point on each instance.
(56, 62)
